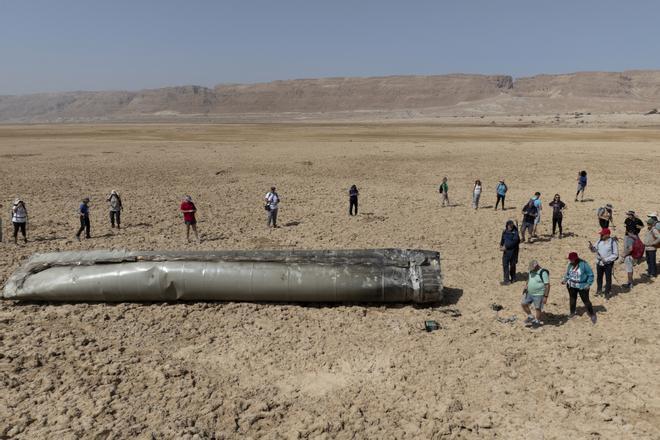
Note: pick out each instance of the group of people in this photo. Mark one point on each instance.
(579, 275)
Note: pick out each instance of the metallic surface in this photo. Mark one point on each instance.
(346, 276)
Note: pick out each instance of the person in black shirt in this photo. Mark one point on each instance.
(557, 215)
(633, 223)
(530, 212)
(353, 200)
(509, 245)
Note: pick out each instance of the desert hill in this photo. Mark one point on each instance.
(456, 94)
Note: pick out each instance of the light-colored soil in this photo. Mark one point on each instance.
(332, 371)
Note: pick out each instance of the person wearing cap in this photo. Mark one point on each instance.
(651, 241)
(353, 194)
(19, 217)
(189, 209)
(115, 209)
(605, 216)
(501, 190)
(633, 223)
(272, 206)
(539, 207)
(536, 292)
(578, 280)
(83, 214)
(509, 245)
(607, 252)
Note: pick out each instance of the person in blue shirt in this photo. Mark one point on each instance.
(83, 213)
(501, 190)
(582, 185)
(509, 245)
(539, 208)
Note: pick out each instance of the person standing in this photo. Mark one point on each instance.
(444, 191)
(83, 213)
(510, 246)
(605, 216)
(629, 260)
(501, 190)
(353, 194)
(476, 194)
(578, 279)
(536, 292)
(529, 215)
(539, 207)
(189, 210)
(272, 206)
(651, 241)
(115, 209)
(19, 218)
(581, 185)
(633, 223)
(607, 252)
(557, 214)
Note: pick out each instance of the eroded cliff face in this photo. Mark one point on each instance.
(594, 91)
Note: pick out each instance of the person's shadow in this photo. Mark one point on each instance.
(558, 319)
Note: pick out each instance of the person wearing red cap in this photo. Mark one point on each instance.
(578, 279)
(607, 252)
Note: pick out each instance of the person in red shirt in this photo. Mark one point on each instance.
(188, 209)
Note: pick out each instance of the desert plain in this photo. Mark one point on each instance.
(238, 370)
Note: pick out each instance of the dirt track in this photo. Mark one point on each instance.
(289, 371)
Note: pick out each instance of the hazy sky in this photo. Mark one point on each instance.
(58, 45)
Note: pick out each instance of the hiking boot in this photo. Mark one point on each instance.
(529, 320)
(77, 237)
(505, 283)
(628, 286)
(593, 318)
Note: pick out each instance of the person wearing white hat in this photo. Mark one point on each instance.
(115, 209)
(651, 241)
(19, 216)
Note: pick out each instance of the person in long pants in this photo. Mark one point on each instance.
(509, 245)
(353, 200)
(578, 279)
(83, 212)
(651, 239)
(272, 203)
(607, 252)
(19, 217)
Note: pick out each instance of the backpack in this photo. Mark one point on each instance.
(547, 272)
(440, 189)
(637, 251)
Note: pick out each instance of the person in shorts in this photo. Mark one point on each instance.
(188, 209)
(536, 293)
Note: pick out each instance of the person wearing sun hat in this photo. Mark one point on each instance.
(578, 280)
(607, 252)
(651, 240)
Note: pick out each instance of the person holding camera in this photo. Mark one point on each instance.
(272, 206)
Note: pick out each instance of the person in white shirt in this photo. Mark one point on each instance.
(607, 252)
(476, 194)
(114, 201)
(272, 205)
(19, 217)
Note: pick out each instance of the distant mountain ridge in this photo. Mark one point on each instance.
(635, 90)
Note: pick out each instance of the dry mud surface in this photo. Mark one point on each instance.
(216, 370)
